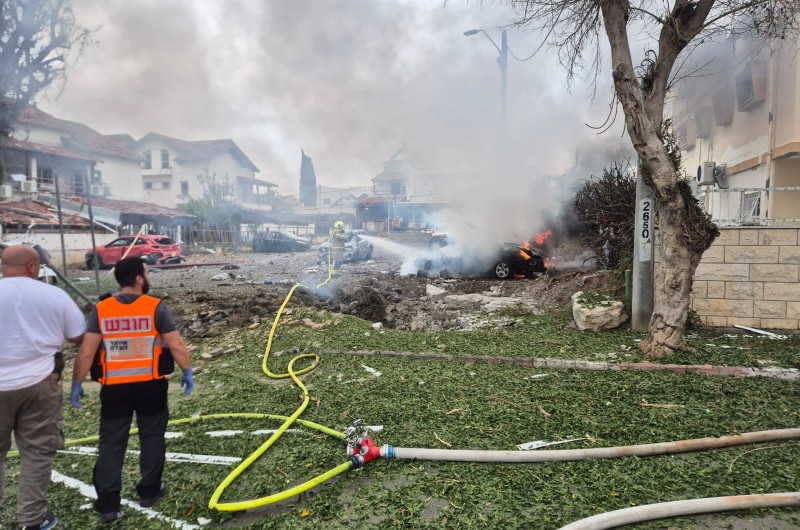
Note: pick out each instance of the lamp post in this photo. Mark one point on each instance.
(503, 62)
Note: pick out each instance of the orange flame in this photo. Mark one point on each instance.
(527, 246)
(541, 237)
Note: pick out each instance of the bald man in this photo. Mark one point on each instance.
(35, 320)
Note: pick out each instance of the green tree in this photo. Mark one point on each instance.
(217, 205)
(668, 30)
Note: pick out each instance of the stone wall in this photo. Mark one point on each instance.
(750, 276)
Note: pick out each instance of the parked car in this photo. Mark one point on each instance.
(152, 248)
(46, 274)
(356, 248)
(509, 261)
(279, 241)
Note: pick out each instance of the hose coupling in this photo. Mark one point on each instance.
(387, 451)
(358, 461)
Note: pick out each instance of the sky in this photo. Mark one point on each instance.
(348, 81)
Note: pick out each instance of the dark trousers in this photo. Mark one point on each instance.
(117, 405)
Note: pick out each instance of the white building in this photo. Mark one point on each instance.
(172, 171)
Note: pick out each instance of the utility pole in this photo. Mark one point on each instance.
(504, 84)
(60, 225)
(644, 237)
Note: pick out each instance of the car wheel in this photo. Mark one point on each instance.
(52, 280)
(151, 259)
(502, 270)
(90, 262)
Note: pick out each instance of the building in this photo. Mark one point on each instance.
(739, 132)
(46, 153)
(173, 171)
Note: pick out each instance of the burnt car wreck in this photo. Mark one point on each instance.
(511, 260)
(279, 241)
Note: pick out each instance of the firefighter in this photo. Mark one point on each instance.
(337, 245)
(133, 331)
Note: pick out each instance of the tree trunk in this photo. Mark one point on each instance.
(673, 280)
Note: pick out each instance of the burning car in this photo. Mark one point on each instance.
(356, 248)
(279, 241)
(511, 260)
(152, 248)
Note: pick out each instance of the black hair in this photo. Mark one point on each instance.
(126, 270)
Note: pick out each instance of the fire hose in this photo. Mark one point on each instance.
(361, 450)
(664, 510)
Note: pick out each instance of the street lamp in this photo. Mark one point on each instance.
(503, 62)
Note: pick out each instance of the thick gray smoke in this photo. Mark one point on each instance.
(350, 82)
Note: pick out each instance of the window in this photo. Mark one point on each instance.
(147, 164)
(156, 185)
(703, 118)
(751, 85)
(722, 101)
(164, 159)
(97, 176)
(749, 207)
(686, 134)
(184, 188)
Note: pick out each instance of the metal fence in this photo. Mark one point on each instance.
(210, 235)
(752, 206)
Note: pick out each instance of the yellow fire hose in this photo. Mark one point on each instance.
(390, 452)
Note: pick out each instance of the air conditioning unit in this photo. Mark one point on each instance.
(29, 186)
(96, 190)
(5, 191)
(705, 174)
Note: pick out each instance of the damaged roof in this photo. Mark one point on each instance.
(200, 150)
(16, 215)
(136, 208)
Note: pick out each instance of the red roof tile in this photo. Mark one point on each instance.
(13, 143)
(79, 137)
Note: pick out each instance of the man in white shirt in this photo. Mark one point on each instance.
(35, 320)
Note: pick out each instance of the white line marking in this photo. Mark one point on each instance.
(171, 457)
(88, 491)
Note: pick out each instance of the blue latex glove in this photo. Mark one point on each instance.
(187, 379)
(76, 393)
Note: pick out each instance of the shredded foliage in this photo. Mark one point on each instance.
(470, 406)
(606, 209)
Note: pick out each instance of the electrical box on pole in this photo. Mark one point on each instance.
(643, 247)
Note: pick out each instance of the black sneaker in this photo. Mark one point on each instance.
(110, 516)
(47, 523)
(148, 503)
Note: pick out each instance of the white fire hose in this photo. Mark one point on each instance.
(664, 510)
(639, 513)
(569, 455)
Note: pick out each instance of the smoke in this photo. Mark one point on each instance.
(350, 82)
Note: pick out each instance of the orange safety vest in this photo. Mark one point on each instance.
(131, 345)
